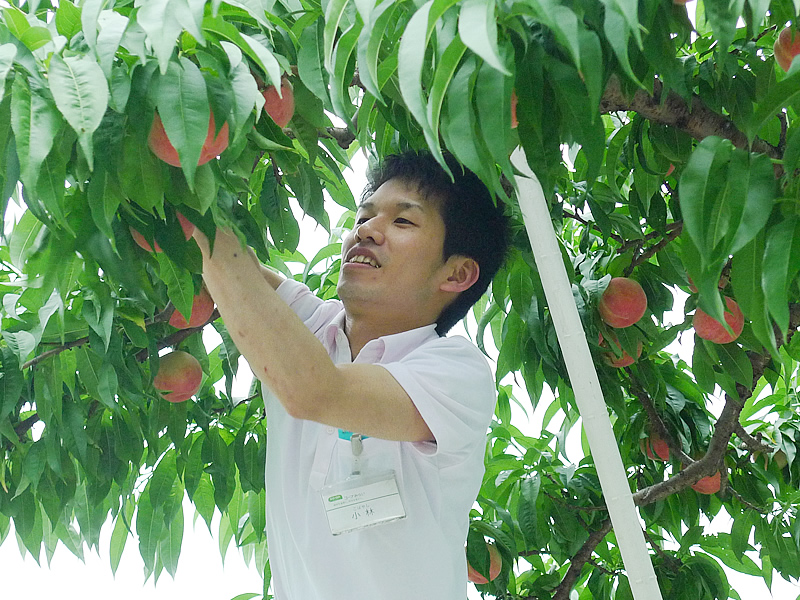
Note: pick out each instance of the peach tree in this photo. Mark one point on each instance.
(663, 137)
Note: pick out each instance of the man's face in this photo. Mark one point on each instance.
(393, 256)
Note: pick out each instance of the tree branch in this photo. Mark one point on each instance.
(694, 118)
(581, 557)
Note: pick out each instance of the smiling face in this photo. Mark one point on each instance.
(392, 261)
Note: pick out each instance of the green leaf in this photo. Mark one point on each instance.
(180, 287)
(782, 94)
(701, 189)
(274, 202)
(266, 59)
(150, 528)
(80, 90)
(373, 35)
(119, 536)
(310, 62)
(182, 103)
(526, 509)
(736, 364)
(98, 376)
(68, 19)
(411, 60)
(169, 547)
(746, 278)
(477, 27)
(781, 266)
(159, 20)
(333, 15)
(562, 21)
(160, 484)
(36, 122)
(112, 29)
(7, 54)
(141, 174)
(203, 499)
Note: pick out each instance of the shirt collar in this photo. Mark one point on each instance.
(387, 348)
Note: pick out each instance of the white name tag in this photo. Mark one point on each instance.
(362, 502)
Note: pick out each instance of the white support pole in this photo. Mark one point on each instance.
(585, 384)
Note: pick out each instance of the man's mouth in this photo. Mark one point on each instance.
(360, 258)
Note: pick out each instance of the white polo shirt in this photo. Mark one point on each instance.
(422, 555)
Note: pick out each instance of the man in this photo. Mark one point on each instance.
(381, 513)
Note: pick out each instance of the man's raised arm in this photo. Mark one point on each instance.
(285, 355)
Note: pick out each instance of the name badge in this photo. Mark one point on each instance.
(362, 502)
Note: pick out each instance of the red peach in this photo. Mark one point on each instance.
(495, 563)
(708, 485)
(179, 376)
(655, 448)
(186, 225)
(623, 302)
(712, 330)
(786, 47)
(280, 109)
(202, 307)
(161, 146)
(625, 359)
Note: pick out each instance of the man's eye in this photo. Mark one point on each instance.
(361, 220)
(403, 221)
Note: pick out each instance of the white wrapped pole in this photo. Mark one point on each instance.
(585, 384)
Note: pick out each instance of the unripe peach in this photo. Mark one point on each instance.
(179, 376)
(623, 303)
(161, 146)
(655, 448)
(495, 563)
(708, 485)
(712, 330)
(280, 109)
(786, 47)
(202, 307)
(186, 225)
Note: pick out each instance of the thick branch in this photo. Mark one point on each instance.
(723, 430)
(583, 556)
(695, 118)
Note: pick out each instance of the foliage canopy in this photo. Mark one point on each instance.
(667, 149)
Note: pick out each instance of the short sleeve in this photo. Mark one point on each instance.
(312, 310)
(450, 383)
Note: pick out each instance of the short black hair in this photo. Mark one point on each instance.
(475, 226)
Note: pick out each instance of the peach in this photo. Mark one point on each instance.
(708, 485)
(179, 376)
(712, 330)
(514, 100)
(625, 360)
(186, 225)
(655, 448)
(280, 109)
(623, 303)
(161, 146)
(495, 563)
(786, 47)
(202, 307)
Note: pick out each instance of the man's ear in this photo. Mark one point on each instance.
(463, 273)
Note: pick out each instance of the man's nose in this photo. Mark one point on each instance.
(370, 229)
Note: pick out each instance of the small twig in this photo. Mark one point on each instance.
(583, 221)
(656, 423)
(673, 564)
